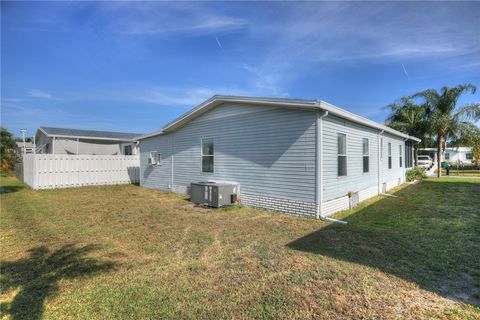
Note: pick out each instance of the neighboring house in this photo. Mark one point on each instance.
(26, 147)
(76, 141)
(296, 156)
(452, 155)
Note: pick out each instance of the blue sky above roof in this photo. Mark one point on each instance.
(125, 66)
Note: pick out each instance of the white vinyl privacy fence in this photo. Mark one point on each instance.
(48, 171)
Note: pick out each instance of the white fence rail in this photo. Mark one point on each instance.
(48, 171)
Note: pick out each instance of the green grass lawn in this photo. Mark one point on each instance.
(122, 252)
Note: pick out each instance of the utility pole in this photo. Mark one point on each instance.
(23, 131)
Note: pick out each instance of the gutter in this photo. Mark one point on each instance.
(319, 170)
(327, 219)
(319, 163)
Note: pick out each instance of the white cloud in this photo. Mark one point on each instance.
(302, 38)
(150, 94)
(35, 93)
(153, 18)
(13, 100)
(265, 82)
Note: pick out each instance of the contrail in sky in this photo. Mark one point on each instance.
(219, 44)
(404, 70)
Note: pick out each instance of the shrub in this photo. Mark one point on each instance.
(415, 174)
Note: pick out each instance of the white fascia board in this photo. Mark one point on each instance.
(285, 103)
(90, 138)
(361, 120)
(44, 132)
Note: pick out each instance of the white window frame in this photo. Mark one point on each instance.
(207, 155)
(366, 155)
(343, 155)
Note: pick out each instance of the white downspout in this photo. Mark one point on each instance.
(404, 158)
(171, 163)
(379, 162)
(319, 164)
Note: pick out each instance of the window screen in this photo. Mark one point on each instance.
(389, 155)
(207, 155)
(366, 153)
(342, 154)
(469, 156)
(400, 155)
(408, 154)
(447, 156)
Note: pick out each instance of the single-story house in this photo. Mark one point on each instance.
(304, 157)
(24, 147)
(462, 155)
(76, 141)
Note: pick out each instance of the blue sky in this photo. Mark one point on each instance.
(133, 66)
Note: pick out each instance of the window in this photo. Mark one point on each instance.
(447, 156)
(127, 150)
(469, 156)
(342, 154)
(207, 155)
(155, 158)
(400, 155)
(408, 154)
(366, 157)
(389, 155)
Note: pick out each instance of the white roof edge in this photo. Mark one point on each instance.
(361, 120)
(87, 137)
(307, 104)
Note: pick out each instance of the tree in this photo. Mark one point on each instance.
(469, 136)
(410, 118)
(445, 117)
(7, 149)
(27, 139)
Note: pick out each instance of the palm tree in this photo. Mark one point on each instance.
(410, 118)
(445, 117)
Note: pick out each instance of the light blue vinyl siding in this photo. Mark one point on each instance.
(396, 171)
(355, 180)
(269, 151)
(156, 176)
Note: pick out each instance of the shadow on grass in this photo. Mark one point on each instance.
(11, 189)
(428, 235)
(37, 276)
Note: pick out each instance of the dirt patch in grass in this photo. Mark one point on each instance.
(154, 255)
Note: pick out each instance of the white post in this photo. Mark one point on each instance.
(23, 136)
(77, 146)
